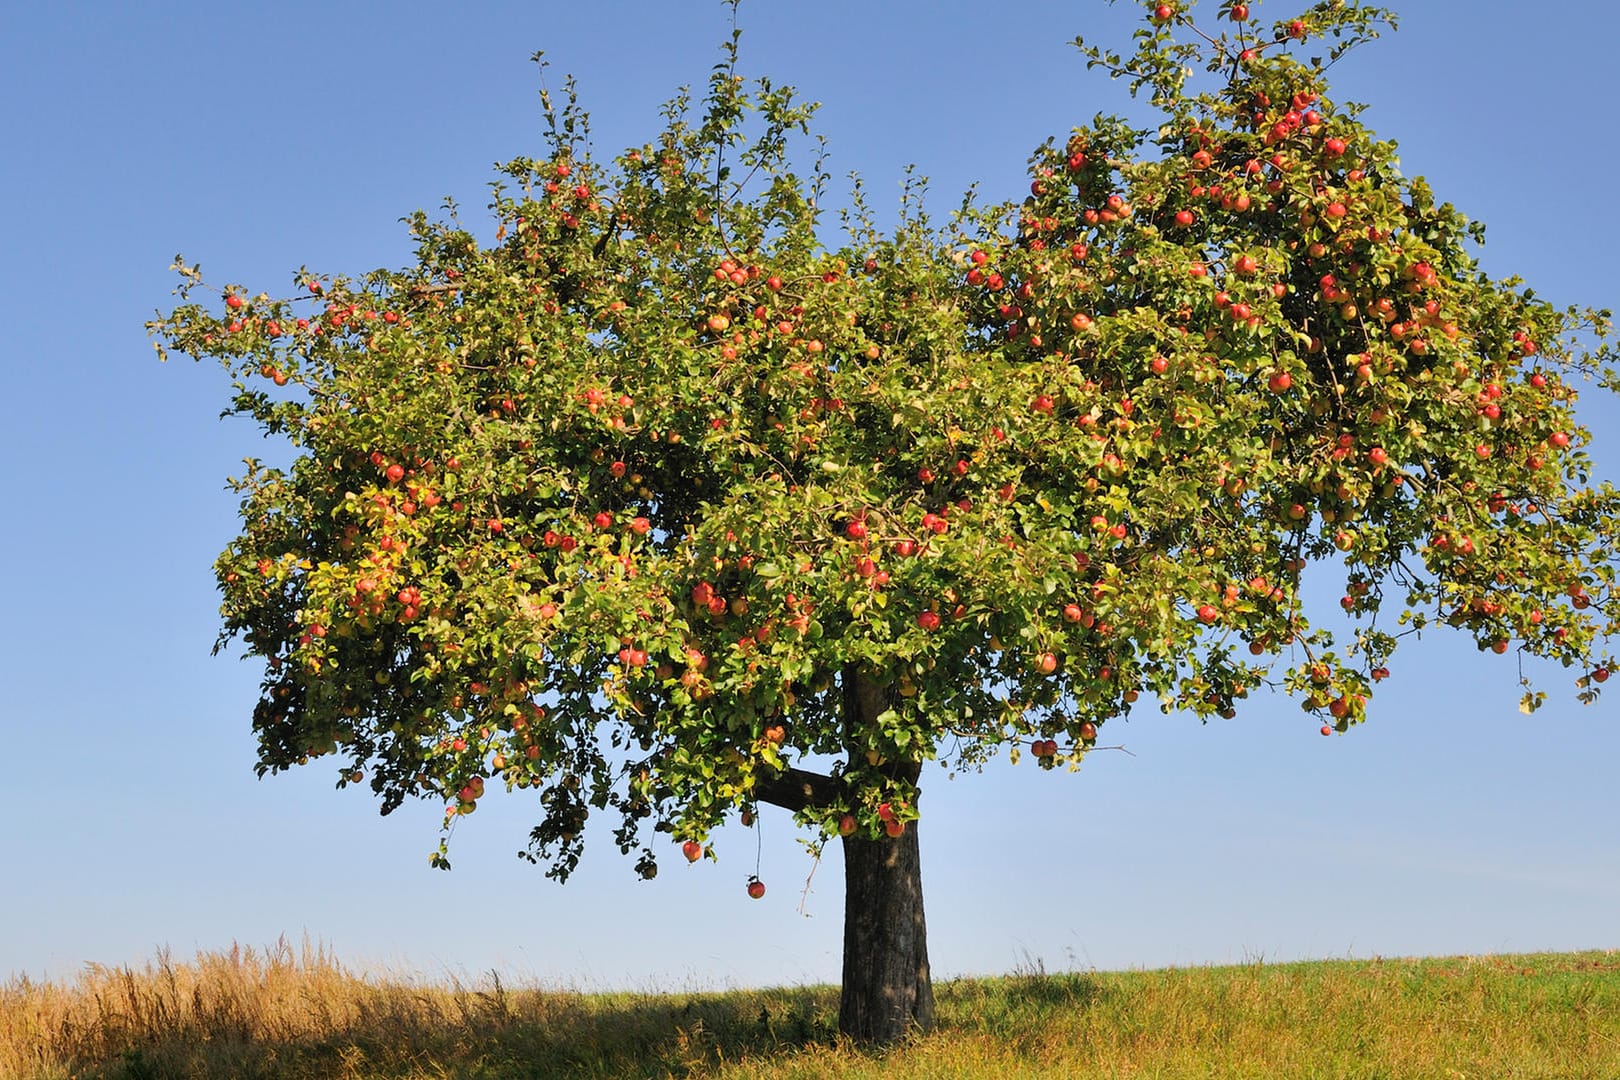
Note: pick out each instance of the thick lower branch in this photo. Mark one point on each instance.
(797, 789)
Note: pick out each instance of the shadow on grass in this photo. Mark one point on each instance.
(1010, 1006)
(505, 1034)
(498, 1034)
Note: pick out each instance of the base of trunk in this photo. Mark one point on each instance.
(887, 992)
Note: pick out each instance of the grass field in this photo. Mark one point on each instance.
(301, 1015)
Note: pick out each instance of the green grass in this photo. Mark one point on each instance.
(302, 1016)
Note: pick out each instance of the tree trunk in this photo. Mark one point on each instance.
(887, 990)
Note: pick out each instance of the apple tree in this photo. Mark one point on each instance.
(649, 500)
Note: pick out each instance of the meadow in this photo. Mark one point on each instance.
(298, 1013)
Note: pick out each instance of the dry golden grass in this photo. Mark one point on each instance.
(300, 1015)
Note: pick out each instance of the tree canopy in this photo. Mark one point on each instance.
(665, 495)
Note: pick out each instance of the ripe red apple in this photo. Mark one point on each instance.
(756, 888)
(1280, 382)
(856, 529)
(847, 825)
(928, 620)
(1046, 663)
(692, 850)
(1207, 613)
(894, 828)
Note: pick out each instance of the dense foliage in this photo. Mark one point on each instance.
(620, 504)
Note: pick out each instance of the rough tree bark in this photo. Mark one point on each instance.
(887, 990)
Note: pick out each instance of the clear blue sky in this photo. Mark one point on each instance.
(255, 143)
